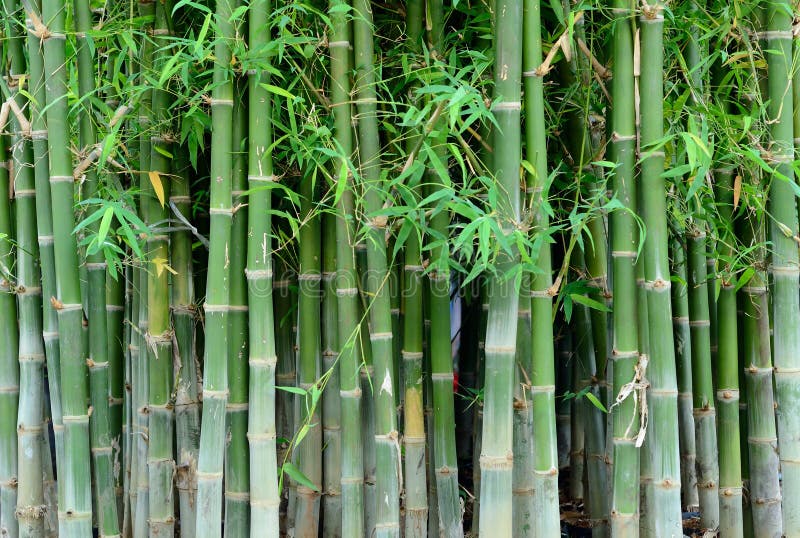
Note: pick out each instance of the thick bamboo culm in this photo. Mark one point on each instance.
(449, 254)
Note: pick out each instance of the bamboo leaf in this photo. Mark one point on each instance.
(105, 224)
(295, 474)
(595, 402)
(155, 180)
(591, 303)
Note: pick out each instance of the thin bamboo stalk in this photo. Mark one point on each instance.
(187, 404)
(215, 374)
(727, 374)
(381, 337)
(414, 478)
(75, 514)
(543, 379)
(352, 477)
(784, 226)
(683, 356)
(45, 240)
(9, 368)
(522, 509)
(30, 505)
(261, 428)
(444, 461)
(237, 474)
(496, 462)
(756, 357)
(100, 439)
(308, 453)
(625, 356)
(331, 403)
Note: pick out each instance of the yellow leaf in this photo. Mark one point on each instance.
(155, 180)
(162, 264)
(737, 190)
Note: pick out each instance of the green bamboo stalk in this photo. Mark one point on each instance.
(100, 438)
(75, 514)
(187, 404)
(127, 404)
(237, 474)
(45, 238)
(756, 357)
(563, 414)
(261, 428)
(284, 303)
(545, 455)
(727, 374)
(9, 369)
(352, 478)
(387, 445)
(308, 453)
(784, 226)
(478, 425)
(30, 503)
(115, 321)
(625, 358)
(140, 505)
(215, 375)
(522, 509)
(683, 355)
(577, 454)
(663, 493)
(444, 460)
(427, 399)
(496, 463)
(331, 403)
(158, 338)
(593, 420)
(699, 322)
(414, 478)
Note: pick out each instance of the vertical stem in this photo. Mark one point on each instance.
(215, 373)
(496, 461)
(625, 357)
(75, 514)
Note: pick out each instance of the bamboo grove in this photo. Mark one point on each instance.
(349, 268)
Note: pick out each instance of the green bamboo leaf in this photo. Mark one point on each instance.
(591, 303)
(105, 224)
(592, 398)
(293, 390)
(290, 469)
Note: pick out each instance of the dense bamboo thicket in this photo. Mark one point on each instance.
(423, 268)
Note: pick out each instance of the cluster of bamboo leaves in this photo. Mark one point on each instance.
(409, 268)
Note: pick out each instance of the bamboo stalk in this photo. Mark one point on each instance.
(381, 337)
(308, 453)
(331, 403)
(625, 357)
(30, 504)
(414, 477)
(237, 474)
(215, 375)
(522, 509)
(352, 477)
(784, 226)
(496, 462)
(100, 438)
(261, 429)
(9, 369)
(663, 493)
(444, 461)
(75, 514)
(187, 404)
(683, 355)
